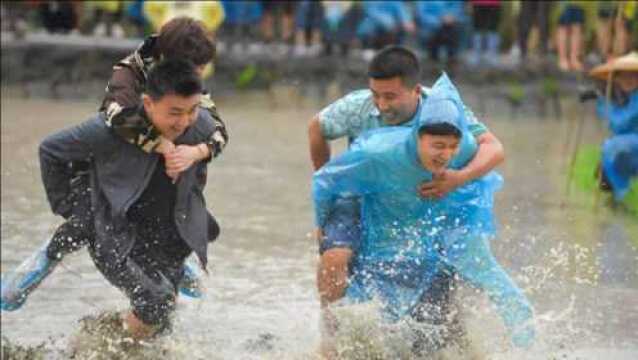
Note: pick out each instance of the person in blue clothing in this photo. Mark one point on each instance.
(384, 23)
(440, 25)
(394, 98)
(406, 239)
(620, 151)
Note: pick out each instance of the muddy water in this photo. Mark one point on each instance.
(578, 265)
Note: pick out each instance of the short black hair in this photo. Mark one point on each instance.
(173, 76)
(440, 129)
(394, 61)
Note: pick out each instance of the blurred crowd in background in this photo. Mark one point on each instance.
(572, 35)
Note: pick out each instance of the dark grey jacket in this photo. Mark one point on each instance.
(119, 173)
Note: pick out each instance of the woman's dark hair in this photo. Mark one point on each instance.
(441, 129)
(173, 76)
(185, 38)
(394, 61)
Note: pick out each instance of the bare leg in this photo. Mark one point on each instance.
(287, 26)
(332, 280)
(603, 37)
(576, 47)
(268, 27)
(561, 44)
(621, 39)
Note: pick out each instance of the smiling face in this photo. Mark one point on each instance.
(396, 102)
(172, 114)
(436, 151)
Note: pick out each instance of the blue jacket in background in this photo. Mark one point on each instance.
(429, 14)
(384, 16)
(620, 151)
(621, 119)
(242, 12)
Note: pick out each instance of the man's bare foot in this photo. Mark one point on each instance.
(576, 65)
(136, 327)
(563, 64)
(327, 350)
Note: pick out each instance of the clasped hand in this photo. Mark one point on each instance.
(177, 158)
(442, 183)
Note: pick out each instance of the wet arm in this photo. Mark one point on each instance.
(489, 155)
(319, 146)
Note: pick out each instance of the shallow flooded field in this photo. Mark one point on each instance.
(578, 263)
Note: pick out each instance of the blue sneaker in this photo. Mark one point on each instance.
(190, 285)
(17, 286)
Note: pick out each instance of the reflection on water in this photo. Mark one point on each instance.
(579, 266)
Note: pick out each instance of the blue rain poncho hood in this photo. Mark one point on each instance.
(407, 239)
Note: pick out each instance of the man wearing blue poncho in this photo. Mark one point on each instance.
(620, 151)
(407, 239)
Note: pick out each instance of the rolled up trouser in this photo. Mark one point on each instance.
(437, 309)
(146, 279)
(343, 226)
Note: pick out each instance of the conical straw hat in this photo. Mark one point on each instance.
(628, 62)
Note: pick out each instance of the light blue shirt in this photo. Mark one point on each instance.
(356, 113)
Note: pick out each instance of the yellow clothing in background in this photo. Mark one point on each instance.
(107, 5)
(211, 13)
(629, 9)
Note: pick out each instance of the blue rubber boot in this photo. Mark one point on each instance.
(17, 286)
(191, 285)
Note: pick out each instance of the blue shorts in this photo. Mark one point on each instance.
(343, 226)
(572, 15)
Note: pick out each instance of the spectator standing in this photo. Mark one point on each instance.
(58, 16)
(533, 13)
(241, 19)
(486, 40)
(624, 24)
(340, 24)
(569, 36)
(308, 22)
(439, 26)
(604, 26)
(384, 23)
(285, 11)
(107, 18)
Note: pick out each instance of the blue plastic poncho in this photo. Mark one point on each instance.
(408, 239)
(620, 152)
(620, 162)
(621, 119)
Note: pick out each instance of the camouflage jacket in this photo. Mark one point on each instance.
(123, 107)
